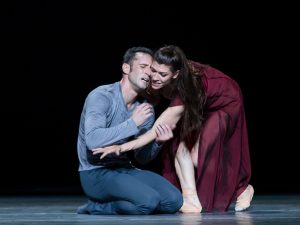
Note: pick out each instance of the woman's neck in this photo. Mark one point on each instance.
(167, 92)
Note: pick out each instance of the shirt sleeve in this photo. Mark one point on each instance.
(97, 134)
(145, 154)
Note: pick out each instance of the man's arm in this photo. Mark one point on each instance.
(97, 134)
(170, 117)
(98, 108)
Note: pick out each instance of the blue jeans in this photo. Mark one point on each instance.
(128, 191)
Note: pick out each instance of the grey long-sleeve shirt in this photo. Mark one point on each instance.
(105, 120)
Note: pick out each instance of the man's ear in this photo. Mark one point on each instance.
(176, 74)
(125, 68)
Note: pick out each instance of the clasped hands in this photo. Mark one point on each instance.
(163, 133)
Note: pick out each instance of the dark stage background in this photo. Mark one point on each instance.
(55, 52)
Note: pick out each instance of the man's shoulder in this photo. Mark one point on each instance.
(104, 90)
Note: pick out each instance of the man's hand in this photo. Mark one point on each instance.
(141, 113)
(163, 132)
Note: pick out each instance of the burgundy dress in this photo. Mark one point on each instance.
(224, 167)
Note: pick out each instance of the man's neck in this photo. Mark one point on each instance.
(128, 93)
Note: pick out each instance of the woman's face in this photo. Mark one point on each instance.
(161, 75)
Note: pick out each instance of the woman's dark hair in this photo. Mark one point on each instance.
(188, 85)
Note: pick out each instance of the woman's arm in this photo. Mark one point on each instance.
(170, 117)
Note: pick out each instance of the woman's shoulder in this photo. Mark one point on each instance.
(207, 70)
(197, 67)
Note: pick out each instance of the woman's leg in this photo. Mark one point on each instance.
(185, 171)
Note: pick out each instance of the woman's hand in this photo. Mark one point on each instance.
(107, 150)
(163, 132)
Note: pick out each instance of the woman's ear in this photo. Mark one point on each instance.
(125, 68)
(176, 74)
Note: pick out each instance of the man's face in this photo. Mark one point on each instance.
(139, 74)
(161, 75)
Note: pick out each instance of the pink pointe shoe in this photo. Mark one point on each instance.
(244, 200)
(191, 202)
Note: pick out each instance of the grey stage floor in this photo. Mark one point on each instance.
(45, 210)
